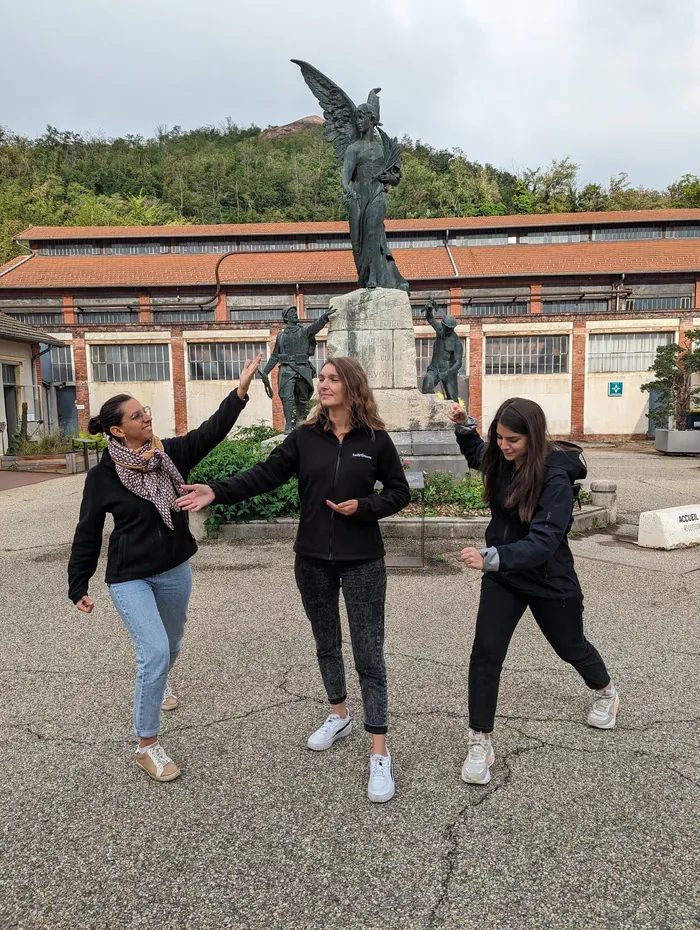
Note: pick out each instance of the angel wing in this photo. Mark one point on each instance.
(338, 108)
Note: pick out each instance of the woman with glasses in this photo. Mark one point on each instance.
(138, 481)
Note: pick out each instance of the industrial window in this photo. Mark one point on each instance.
(179, 315)
(424, 353)
(617, 352)
(36, 319)
(313, 313)
(319, 356)
(272, 244)
(494, 308)
(527, 355)
(125, 247)
(206, 246)
(658, 303)
(90, 317)
(683, 232)
(406, 241)
(130, 363)
(221, 361)
(546, 236)
(418, 307)
(261, 314)
(328, 243)
(61, 364)
(67, 247)
(575, 306)
(609, 233)
(470, 239)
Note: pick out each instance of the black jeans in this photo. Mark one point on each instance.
(364, 592)
(500, 609)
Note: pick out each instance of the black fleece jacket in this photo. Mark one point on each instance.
(330, 470)
(140, 544)
(533, 557)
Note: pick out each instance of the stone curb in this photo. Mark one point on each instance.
(589, 517)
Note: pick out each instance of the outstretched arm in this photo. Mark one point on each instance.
(87, 542)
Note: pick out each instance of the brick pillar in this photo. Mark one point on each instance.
(301, 304)
(145, 315)
(697, 294)
(221, 311)
(578, 378)
(455, 305)
(685, 323)
(68, 310)
(177, 374)
(80, 373)
(277, 412)
(535, 298)
(476, 370)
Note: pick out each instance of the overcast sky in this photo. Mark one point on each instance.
(615, 84)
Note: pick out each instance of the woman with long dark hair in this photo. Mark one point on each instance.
(138, 480)
(529, 484)
(338, 454)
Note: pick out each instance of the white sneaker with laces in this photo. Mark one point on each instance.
(157, 763)
(604, 711)
(381, 786)
(170, 699)
(333, 728)
(480, 757)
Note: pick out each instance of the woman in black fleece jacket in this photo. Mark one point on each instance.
(529, 485)
(138, 481)
(338, 455)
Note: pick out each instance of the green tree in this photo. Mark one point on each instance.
(674, 367)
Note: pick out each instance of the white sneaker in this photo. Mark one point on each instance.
(170, 699)
(604, 711)
(477, 766)
(381, 785)
(333, 728)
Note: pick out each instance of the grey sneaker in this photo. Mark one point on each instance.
(477, 766)
(604, 711)
(381, 786)
(332, 728)
(170, 699)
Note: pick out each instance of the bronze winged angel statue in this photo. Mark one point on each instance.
(370, 166)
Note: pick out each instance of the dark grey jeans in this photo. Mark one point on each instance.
(364, 592)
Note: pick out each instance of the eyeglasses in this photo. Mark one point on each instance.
(139, 415)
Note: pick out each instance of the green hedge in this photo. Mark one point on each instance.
(233, 456)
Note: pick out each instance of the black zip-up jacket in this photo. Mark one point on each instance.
(534, 557)
(330, 470)
(141, 544)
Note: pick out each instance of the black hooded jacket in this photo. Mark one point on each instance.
(141, 544)
(534, 558)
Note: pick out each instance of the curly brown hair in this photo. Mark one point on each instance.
(358, 396)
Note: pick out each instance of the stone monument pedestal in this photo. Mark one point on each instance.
(376, 328)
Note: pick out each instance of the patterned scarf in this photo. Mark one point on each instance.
(149, 473)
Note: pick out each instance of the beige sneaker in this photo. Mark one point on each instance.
(157, 763)
(170, 699)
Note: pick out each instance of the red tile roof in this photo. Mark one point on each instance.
(36, 233)
(586, 258)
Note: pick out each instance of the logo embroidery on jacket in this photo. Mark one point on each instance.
(361, 455)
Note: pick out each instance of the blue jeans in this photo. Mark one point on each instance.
(154, 611)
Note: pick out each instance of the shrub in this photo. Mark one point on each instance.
(236, 455)
(443, 487)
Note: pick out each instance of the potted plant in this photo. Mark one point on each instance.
(676, 395)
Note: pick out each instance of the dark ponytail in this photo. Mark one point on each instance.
(110, 415)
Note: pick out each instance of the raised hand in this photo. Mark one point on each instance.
(197, 497)
(458, 414)
(85, 604)
(247, 375)
(347, 508)
(267, 385)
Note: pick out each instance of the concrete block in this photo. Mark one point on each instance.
(672, 528)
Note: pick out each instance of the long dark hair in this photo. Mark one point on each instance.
(358, 396)
(526, 418)
(110, 415)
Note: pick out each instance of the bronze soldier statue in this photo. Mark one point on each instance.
(293, 350)
(447, 355)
